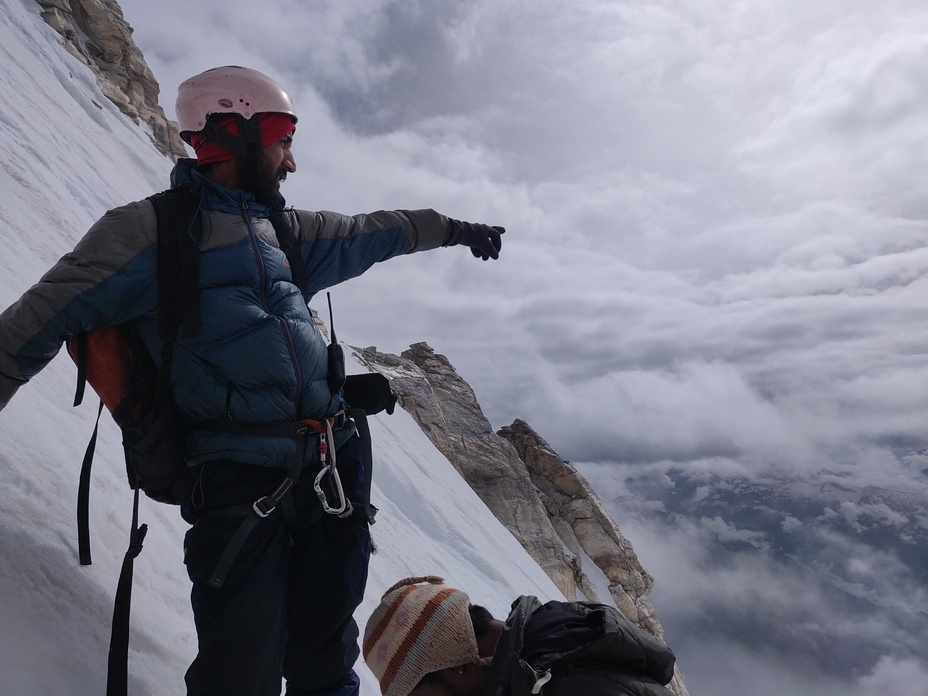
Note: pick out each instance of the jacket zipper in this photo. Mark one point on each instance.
(262, 277)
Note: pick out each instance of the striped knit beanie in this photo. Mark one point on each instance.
(419, 627)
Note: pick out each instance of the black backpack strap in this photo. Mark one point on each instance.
(80, 359)
(178, 234)
(117, 676)
(83, 495)
(83, 488)
(178, 255)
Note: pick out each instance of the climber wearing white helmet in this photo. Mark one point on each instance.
(279, 543)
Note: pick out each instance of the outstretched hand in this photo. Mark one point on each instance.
(484, 241)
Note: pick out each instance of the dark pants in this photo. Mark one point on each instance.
(285, 608)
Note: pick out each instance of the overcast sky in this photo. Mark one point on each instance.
(716, 214)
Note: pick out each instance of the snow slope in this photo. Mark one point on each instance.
(67, 155)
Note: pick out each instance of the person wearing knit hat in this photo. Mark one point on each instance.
(420, 627)
(279, 476)
(426, 639)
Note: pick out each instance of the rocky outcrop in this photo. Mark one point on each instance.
(586, 526)
(446, 409)
(96, 33)
(546, 504)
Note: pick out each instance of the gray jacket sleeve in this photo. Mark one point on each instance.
(107, 279)
(338, 247)
(422, 229)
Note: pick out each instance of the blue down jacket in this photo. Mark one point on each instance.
(257, 356)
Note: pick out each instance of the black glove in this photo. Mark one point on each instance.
(484, 241)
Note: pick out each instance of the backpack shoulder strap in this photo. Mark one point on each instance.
(177, 213)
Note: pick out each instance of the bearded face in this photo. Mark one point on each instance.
(266, 188)
(270, 175)
(274, 163)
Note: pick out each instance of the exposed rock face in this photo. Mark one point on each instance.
(546, 504)
(587, 527)
(96, 33)
(447, 411)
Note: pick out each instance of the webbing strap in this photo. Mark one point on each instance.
(259, 510)
(251, 138)
(117, 676)
(81, 359)
(178, 260)
(83, 495)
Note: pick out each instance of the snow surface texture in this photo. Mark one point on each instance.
(66, 156)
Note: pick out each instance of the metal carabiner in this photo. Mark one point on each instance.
(344, 508)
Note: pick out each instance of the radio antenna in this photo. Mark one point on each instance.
(336, 376)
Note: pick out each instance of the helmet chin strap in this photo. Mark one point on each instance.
(251, 135)
(246, 146)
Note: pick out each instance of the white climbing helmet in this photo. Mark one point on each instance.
(228, 90)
